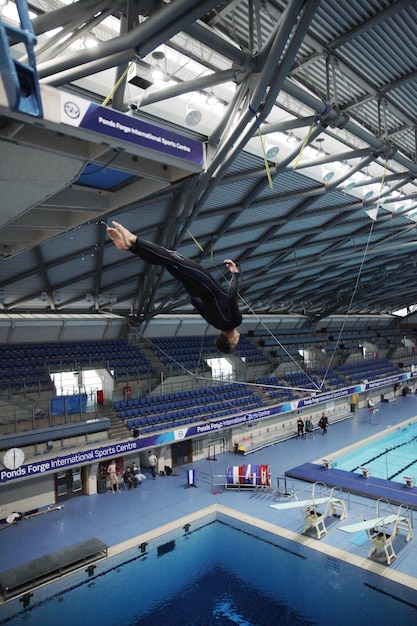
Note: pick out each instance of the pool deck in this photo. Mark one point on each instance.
(119, 518)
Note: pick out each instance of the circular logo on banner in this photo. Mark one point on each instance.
(72, 110)
(180, 434)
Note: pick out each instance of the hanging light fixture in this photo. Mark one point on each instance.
(349, 184)
(292, 139)
(368, 192)
(89, 41)
(271, 149)
(193, 116)
(157, 73)
(211, 99)
(327, 173)
(320, 152)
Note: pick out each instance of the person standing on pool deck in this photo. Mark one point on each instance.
(309, 428)
(218, 308)
(114, 479)
(323, 423)
(152, 462)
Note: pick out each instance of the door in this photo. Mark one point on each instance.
(182, 452)
(69, 484)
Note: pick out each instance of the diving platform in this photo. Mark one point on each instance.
(370, 487)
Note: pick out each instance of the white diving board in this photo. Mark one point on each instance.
(312, 517)
(295, 504)
(372, 523)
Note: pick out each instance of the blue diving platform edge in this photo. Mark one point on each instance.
(376, 488)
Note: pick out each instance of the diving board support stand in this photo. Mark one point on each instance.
(314, 519)
(335, 507)
(381, 540)
(381, 535)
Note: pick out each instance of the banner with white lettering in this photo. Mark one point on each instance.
(81, 113)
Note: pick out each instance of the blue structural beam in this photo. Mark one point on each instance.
(20, 79)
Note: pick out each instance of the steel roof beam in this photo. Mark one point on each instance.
(184, 87)
(352, 127)
(156, 30)
(259, 101)
(65, 15)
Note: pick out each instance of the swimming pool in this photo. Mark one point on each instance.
(388, 456)
(220, 569)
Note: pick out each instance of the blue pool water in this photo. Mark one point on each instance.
(220, 571)
(390, 456)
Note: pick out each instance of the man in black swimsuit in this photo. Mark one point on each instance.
(218, 308)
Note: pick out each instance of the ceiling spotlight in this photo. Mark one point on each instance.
(368, 192)
(193, 116)
(157, 74)
(211, 99)
(271, 150)
(349, 184)
(345, 166)
(292, 139)
(89, 41)
(327, 173)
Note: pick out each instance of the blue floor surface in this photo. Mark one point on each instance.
(114, 518)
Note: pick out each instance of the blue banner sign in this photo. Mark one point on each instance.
(128, 447)
(125, 128)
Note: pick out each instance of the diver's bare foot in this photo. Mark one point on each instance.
(122, 238)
